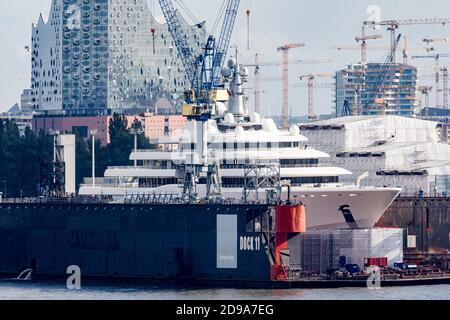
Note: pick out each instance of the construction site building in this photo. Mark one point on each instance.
(377, 89)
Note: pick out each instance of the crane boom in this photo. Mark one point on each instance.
(393, 25)
(285, 110)
(179, 37)
(436, 58)
(225, 37)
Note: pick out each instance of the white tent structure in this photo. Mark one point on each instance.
(395, 151)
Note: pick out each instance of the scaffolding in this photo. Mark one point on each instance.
(262, 175)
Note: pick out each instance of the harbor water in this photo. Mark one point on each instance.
(31, 290)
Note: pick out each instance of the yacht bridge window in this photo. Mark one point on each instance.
(156, 182)
(299, 163)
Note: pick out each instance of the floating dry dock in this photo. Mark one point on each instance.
(239, 245)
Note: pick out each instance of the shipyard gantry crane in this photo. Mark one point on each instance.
(179, 37)
(204, 72)
(311, 77)
(214, 50)
(437, 58)
(393, 25)
(225, 38)
(285, 50)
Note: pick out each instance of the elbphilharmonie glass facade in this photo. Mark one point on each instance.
(95, 55)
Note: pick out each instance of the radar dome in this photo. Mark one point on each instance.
(255, 117)
(185, 136)
(239, 131)
(221, 108)
(294, 130)
(231, 63)
(229, 118)
(244, 72)
(226, 72)
(269, 125)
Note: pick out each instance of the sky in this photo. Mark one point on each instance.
(320, 24)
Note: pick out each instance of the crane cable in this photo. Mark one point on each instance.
(248, 12)
(219, 17)
(188, 12)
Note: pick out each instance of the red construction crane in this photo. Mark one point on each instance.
(378, 48)
(285, 50)
(363, 39)
(393, 26)
(257, 65)
(445, 86)
(311, 77)
(436, 58)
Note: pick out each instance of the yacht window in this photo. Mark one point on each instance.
(233, 182)
(312, 180)
(293, 163)
(156, 182)
(285, 145)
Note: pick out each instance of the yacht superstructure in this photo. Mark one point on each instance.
(237, 139)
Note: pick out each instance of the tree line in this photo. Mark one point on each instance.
(21, 156)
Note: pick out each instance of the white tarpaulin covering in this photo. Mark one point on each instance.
(396, 151)
(318, 251)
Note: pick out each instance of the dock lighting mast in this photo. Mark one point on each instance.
(136, 132)
(285, 50)
(93, 133)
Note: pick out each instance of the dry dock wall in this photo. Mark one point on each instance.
(426, 219)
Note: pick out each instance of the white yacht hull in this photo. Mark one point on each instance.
(364, 205)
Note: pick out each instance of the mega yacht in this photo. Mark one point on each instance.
(236, 139)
